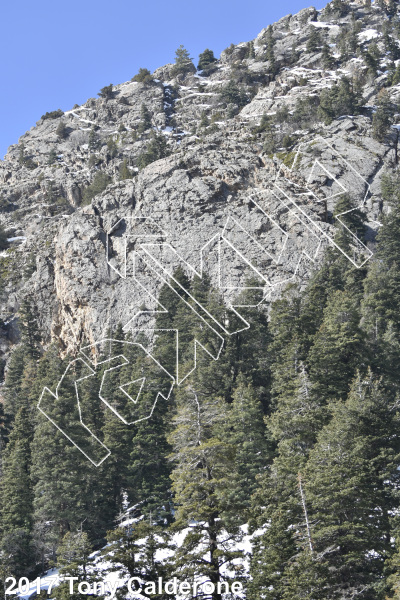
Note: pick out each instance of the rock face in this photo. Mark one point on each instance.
(196, 187)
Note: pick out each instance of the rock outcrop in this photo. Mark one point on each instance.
(210, 184)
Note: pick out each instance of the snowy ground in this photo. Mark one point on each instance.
(105, 571)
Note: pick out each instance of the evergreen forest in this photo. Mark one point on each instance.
(291, 438)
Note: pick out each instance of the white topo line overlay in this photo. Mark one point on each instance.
(147, 244)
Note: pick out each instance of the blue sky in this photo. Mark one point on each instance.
(55, 54)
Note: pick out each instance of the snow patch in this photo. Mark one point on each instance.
(368, 34)
(18, 237)
(50, 578)
(322, 24)
(80, 118)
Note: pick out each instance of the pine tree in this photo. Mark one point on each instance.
(156, 149)
(115, 433)
(112, 148)
(338, 348)
(349, 482)
(352, 37)
(206, 60)
(279, 505)
(327, 58)
(3, 429)
(383, 117)
(271, 553)
(341, 99)
(16, 489)
(350, 222)
(124, 171)
(64, 479)
(248, 352)
(395, 78)
(280, 510)
(327, 530)
(393, 570)
(100, 181)
(73, 560)
(183, 62)
(305, 577)
(97, 490)
(94, 139)
(169, 298)
(296, 420)
(251, 53)
(246, 433)
(3, 238)
(232, 94)
(16, 497)
(314, 41)
(149, 468)
(145, 119)
(143, 76)
(137, 547)
(270, 138)
(106, 92)
(348, 100)
(381, 302)
(391, 46)
(123, 548)
(327, 108)
(336, 271)
(29, 328)
(372, 59)
(62, 130)
(200, 478)
(329, 278)
(13, 380)
(286, 347)
(339, 7)
(17, 554)
(215, 377)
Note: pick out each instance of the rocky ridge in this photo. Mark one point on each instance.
(272, 207)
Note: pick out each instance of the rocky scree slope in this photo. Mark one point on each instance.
(191, 151)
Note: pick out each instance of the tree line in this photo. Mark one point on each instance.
(294, 431)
